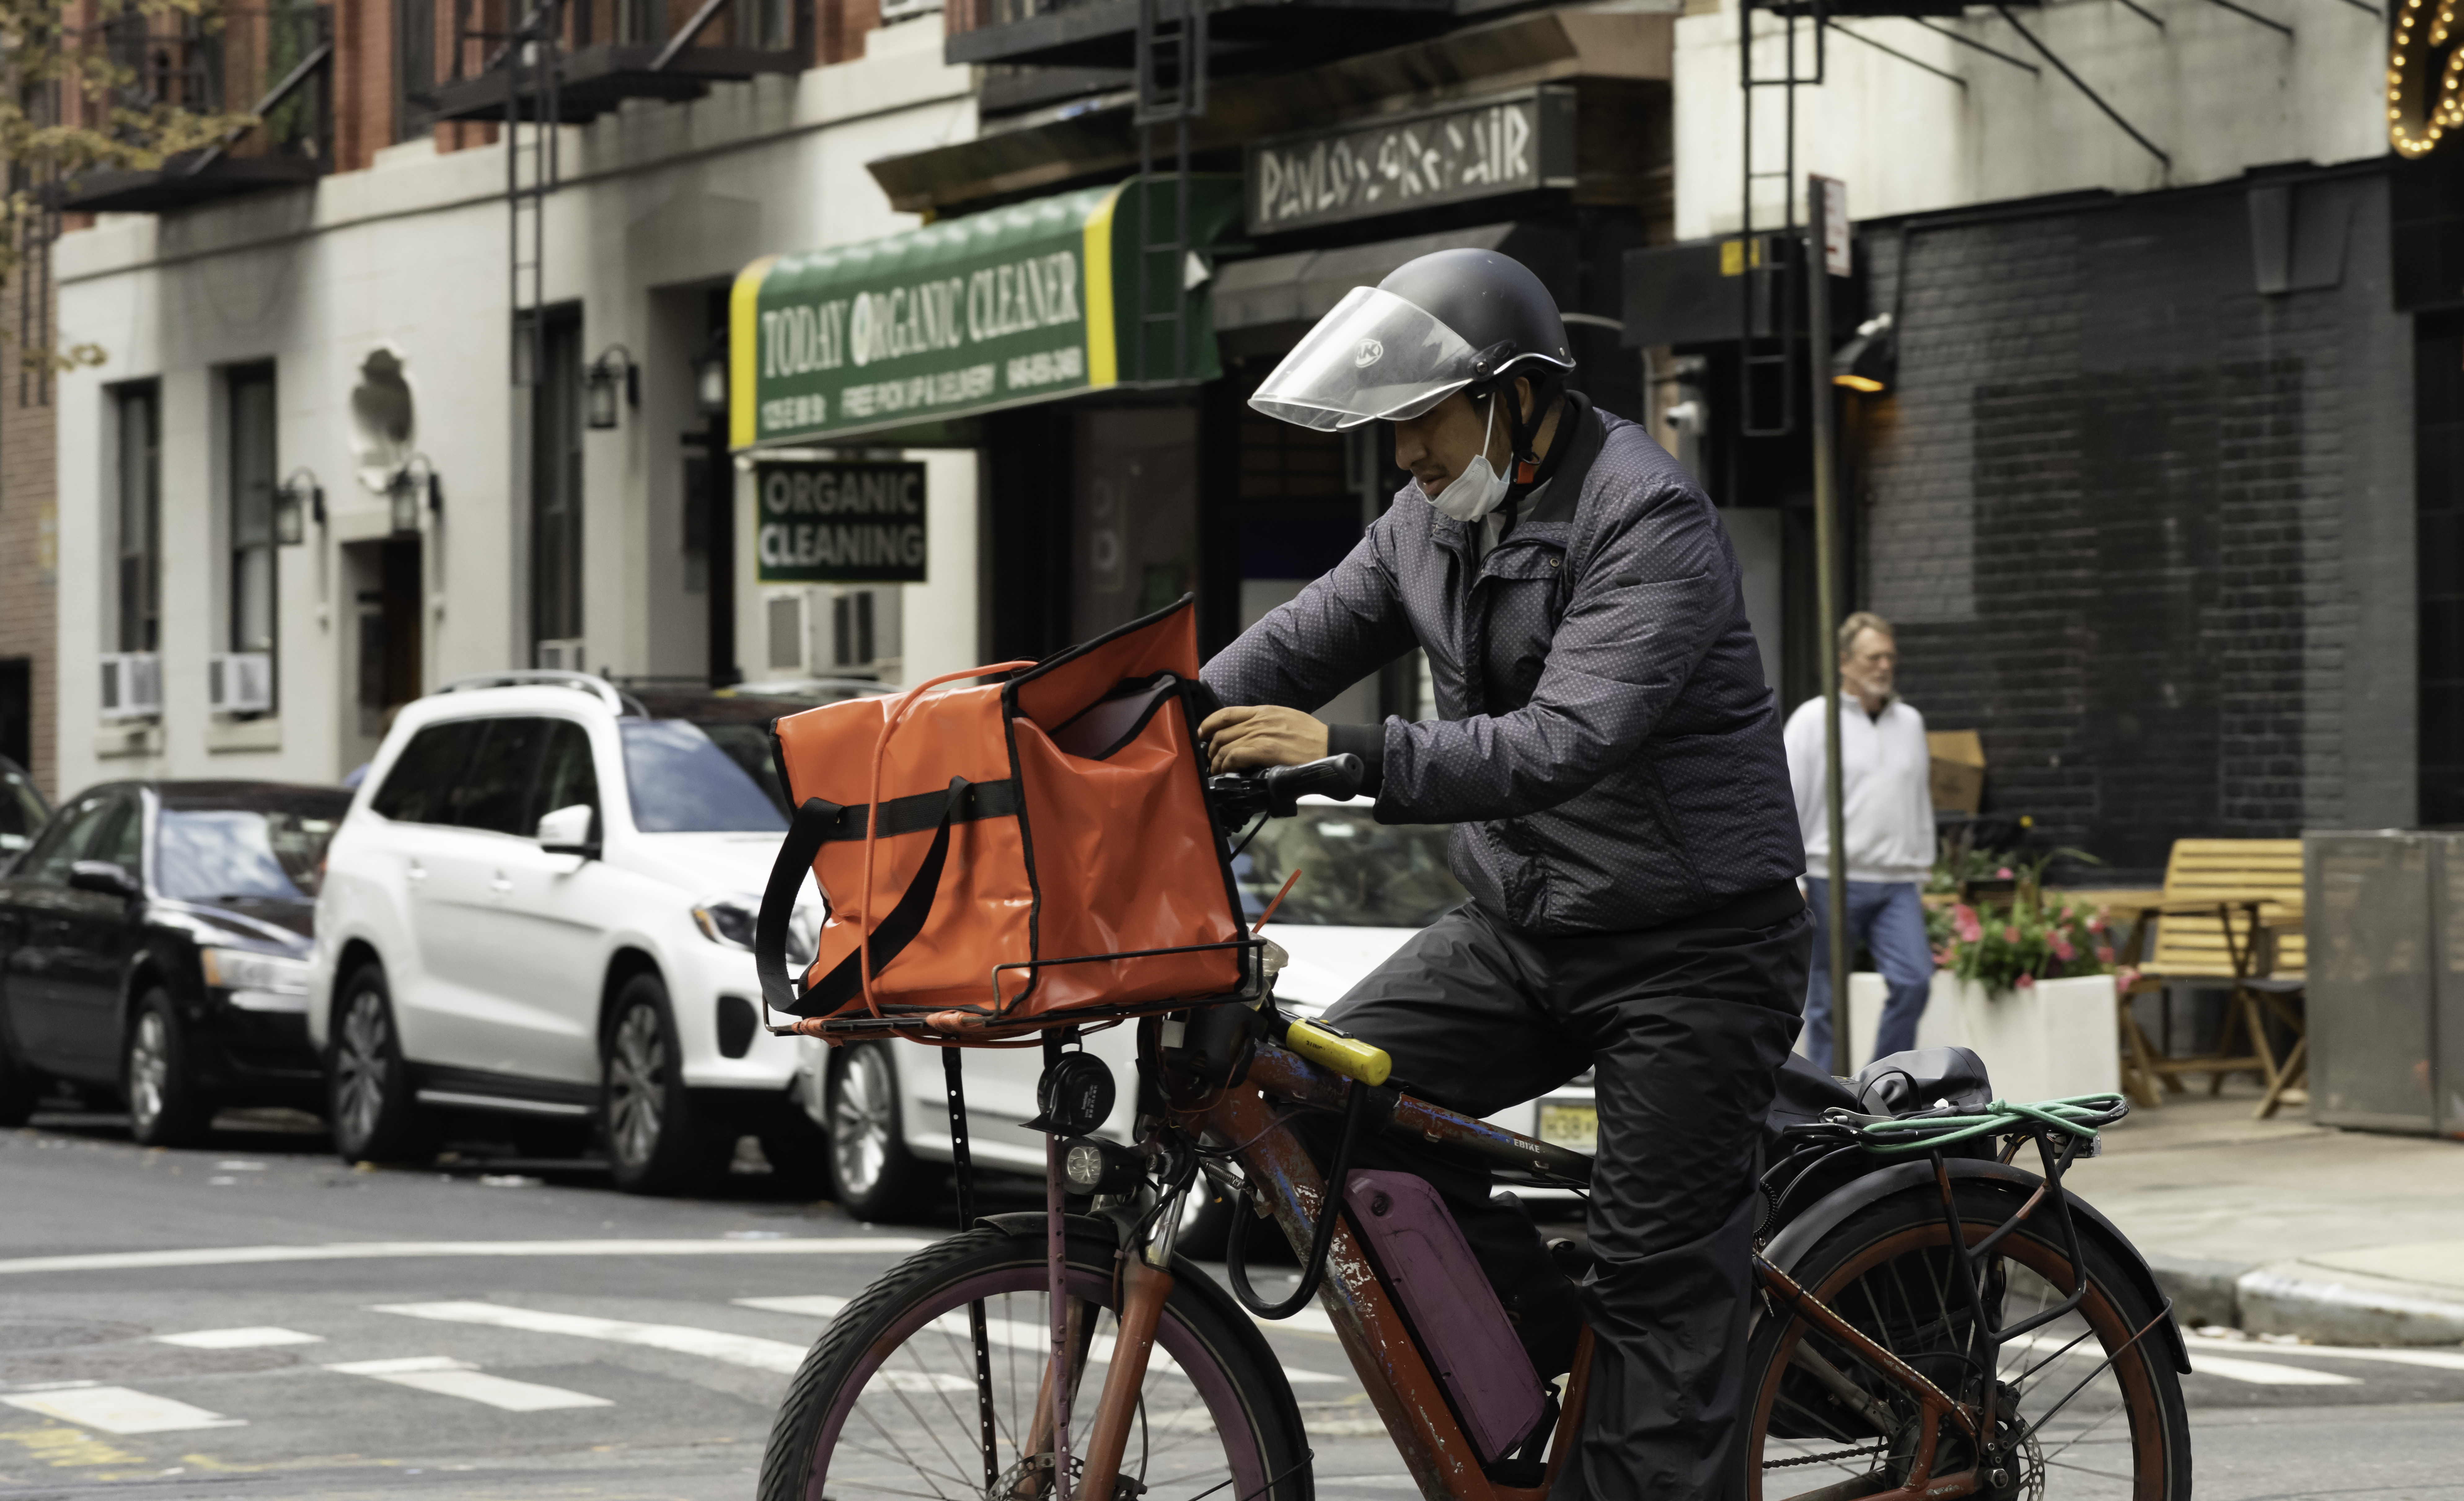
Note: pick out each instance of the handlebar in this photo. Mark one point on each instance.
(1277, 791)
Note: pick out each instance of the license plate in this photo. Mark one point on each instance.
(1574, 1127)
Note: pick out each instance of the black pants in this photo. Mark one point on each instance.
(1685, 1028)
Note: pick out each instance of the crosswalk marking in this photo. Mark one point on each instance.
(377, 1250)
(2262, 1373)
(255, 1337)
(746, 1350)
(447, 1376)
(2436, 1359)
(1010, 1334)
(116, 1409)
(2255, 1373)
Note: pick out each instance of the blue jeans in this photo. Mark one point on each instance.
(1889, 917)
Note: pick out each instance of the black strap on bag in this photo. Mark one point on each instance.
(816, 822)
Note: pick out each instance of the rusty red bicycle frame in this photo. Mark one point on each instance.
(1251, 1119)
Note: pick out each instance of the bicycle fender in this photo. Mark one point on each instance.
(1805, 1230)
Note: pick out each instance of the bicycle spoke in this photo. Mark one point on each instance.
(906, 1458)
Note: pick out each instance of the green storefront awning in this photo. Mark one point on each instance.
(1027, 303)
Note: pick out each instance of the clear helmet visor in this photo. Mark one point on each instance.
(1376, 356)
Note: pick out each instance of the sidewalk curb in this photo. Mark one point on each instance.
(2312, 1302)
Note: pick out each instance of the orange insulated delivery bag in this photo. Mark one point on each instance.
(1003, 854)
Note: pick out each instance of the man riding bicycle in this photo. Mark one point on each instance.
(1610, 757)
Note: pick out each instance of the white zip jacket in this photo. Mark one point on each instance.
(1886, 776)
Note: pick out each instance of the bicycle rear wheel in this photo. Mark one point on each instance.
(885, 1405)
(2099, 1414)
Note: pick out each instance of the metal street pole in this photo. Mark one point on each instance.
(1826, 596)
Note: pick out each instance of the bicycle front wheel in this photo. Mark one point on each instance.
(886, 1404)
(2088, 1407)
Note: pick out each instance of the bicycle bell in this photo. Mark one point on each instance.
(1075, 1097)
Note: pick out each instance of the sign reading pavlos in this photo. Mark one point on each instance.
(822, 521)
(1509, 144)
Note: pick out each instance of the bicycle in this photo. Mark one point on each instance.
(1933, 1321)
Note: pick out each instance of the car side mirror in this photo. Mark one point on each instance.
(567, 831)
(103, 877)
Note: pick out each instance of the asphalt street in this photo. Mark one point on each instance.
(258, 1319)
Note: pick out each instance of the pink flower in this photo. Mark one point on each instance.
(2026, 981)
(2066, 912)
(2002, 874)
(2062, 949)
(2104, 953)
(2010, 934)
(1963, 921)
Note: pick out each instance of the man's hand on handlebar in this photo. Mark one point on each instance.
(1260, 734)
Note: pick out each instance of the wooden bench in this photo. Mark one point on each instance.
(2220, 897)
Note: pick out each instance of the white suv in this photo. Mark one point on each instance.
(541, 905)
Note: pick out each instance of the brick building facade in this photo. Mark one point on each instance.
(28, 546)
(2145, 525)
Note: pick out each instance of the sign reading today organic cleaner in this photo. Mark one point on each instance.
(820, 521)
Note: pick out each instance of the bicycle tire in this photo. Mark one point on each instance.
(912, 1323)
(1867, 1270)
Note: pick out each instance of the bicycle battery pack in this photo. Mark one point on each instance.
(1421, 1252)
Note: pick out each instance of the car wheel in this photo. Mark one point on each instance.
(375, 1120)
(166, 1108)
(19, 1087)
(877, 1179)
(654, 1144)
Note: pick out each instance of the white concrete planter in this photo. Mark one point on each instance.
(2054, 1038)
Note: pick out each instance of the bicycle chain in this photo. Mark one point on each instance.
(1876, 1452)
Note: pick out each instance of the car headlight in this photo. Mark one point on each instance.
(730, 920)
(258, 981)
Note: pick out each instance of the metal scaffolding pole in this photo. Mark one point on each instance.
(1826, 596)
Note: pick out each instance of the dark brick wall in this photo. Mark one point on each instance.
(2127, 510)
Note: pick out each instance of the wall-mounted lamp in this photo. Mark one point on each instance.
(1869, 362)
(414, 481)
(709, 378)
(614, 363)
(298, 500)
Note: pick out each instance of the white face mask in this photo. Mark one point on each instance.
(1480, 488)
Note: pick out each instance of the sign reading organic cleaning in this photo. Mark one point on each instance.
(820, 521)
(1466, 151)
(1019, 305)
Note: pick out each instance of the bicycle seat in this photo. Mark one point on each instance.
(1908, 1082)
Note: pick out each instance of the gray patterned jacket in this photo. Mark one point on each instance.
(1605, 745)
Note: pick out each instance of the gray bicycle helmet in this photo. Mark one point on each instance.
(1451, 321)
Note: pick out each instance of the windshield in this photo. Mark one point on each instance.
(681, 784)
(748, 745)
(1360, 874)
(243, 854)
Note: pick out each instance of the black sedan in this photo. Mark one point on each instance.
(154, 943)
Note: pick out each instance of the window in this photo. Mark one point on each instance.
(252, 482)
(852, 617)
(63, 842)
(497, 787)
(414, 52)
(140, 518)
(22, 810)
(681, 783)
(555, 484)
(566, 775)
(122, 838)
(1362, 873)
(420, 788)
(269, 853)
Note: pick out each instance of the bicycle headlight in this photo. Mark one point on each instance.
(729, 920)
(1093, 1165)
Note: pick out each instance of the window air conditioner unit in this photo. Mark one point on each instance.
(240, 682)
(784, 617)
(561, 656)
(132, 685)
